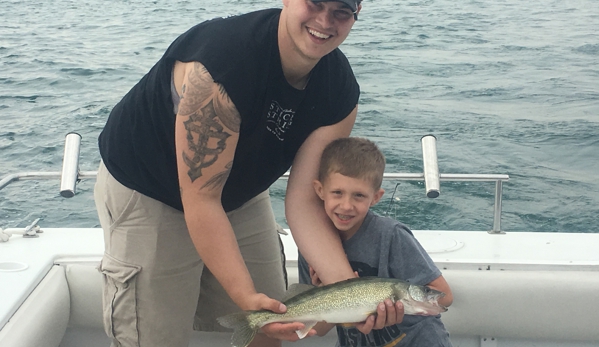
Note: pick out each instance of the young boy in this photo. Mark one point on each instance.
(349, 183)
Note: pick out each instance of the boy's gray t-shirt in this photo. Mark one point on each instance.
(384, 247)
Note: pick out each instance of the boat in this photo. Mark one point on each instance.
(510, 288)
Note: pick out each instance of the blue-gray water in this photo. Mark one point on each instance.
(507, 86)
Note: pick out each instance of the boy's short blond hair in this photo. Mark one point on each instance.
(354, 157)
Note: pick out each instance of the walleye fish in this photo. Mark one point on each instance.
(348, 301)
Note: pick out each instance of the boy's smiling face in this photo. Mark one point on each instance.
(347, 201)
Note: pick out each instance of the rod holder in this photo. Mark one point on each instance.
(70, 165)
(431, 166)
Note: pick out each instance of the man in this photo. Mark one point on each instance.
(188, 156)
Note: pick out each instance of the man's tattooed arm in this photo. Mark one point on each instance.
(211, 126)
(206, 135)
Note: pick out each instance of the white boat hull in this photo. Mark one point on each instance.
(515, 289)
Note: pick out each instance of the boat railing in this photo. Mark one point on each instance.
(70, 175)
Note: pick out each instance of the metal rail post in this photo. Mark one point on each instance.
(431, 166)
(70, 165)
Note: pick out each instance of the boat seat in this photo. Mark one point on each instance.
(42, 319)
(85, 285)
(495, 303)
(503, 304)
(510, 304)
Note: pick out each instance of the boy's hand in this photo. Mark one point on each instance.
(387, 314)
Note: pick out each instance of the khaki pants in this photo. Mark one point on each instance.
(156, 287)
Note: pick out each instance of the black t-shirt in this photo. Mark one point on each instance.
(137, 144)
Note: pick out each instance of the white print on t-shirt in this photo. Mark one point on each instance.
(279, 120)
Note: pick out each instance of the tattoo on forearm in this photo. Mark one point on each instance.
(219, 179)
(201, 128)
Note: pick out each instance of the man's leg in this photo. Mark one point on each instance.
(151, 268)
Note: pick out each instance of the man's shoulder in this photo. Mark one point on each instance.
(256, 17)
(259, 15)
(240, 26)
(230, 48)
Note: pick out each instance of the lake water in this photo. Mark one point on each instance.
(507, 86)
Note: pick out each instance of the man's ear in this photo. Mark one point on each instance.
(377, 196)
(318, 188)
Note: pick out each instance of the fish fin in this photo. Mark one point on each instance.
(347, 325)
(304, 332)
(233, 320)
(243, 334)
(295, 289)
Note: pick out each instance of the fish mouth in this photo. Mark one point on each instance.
(434, 306)
(441, 308)
(419, 308)
(423, 300)
(434, 300)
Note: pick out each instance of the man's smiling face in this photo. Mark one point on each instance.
(316, 28)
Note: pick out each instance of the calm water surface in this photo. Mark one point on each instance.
(508, 87)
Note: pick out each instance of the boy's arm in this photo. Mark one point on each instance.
(405, 249)
(441, 285)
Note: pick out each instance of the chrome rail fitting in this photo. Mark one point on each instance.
(431, 166)
(70, 165)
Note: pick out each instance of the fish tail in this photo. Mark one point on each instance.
(243, 333)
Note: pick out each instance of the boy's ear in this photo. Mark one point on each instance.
(377, 196)
(318, 188)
